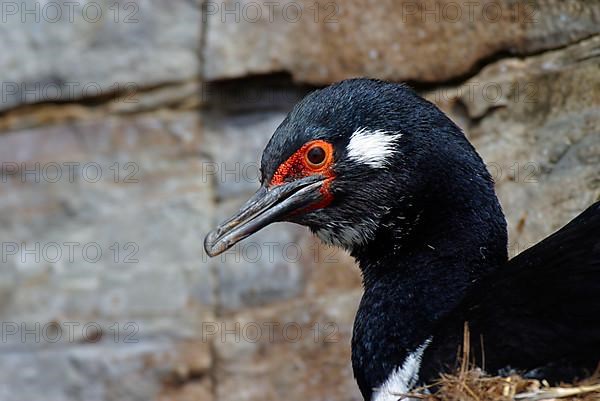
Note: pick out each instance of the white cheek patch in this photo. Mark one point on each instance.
(372, 147)
(403, 378)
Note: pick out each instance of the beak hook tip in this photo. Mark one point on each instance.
(209, 244)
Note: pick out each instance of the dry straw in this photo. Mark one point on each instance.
(471, 384)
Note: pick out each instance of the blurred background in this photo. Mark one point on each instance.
(129, 128)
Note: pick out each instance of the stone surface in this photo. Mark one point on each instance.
(234, 143)
(100, 372)
(434, 40)
(293, 351)
(101, 234)
(93, 184)
(69, 50)
(537, 126)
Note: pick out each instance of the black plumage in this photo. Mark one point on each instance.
(429, 235)
(539, 313)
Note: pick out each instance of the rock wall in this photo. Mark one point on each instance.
(128, 129)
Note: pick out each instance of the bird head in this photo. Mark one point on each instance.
(347, 157)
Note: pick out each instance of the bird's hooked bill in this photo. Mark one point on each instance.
(267, 205)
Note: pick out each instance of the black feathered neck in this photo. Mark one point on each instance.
(429, 250)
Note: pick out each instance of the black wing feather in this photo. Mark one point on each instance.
(546, 302)
(539, 314)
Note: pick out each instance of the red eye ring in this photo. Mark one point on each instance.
(317, 155)
(300, 164)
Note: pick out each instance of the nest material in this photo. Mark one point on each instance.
(471, 384)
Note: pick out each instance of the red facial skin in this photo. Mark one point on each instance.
(298, 166)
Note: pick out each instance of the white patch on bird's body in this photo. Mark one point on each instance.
(403, 378)
(347, 235)
(372, 147)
